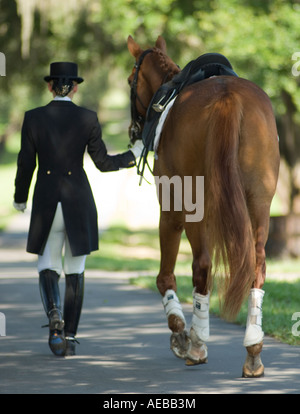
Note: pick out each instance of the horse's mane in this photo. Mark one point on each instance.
(166, 64)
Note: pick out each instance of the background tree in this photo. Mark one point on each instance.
(258, 37)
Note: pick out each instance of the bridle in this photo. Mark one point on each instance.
(137, 119)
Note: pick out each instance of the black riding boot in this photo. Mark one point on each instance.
(49, 290)
(72, 308)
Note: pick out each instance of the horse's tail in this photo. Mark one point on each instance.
(229, 226)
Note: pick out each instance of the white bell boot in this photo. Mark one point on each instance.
(200, 320)
(172, 305)
(199, 332)
(254, 333)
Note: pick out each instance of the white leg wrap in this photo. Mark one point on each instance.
(200, 320)
(254, 333)
(172, 305)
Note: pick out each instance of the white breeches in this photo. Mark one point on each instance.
(52, 257)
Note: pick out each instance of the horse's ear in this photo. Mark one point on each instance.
(133, 47)
(161, 44)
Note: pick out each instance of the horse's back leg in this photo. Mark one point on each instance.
(260, 175)
(253, 340)
(199, 332)
(170, 230)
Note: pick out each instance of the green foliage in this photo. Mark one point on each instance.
(259, 38)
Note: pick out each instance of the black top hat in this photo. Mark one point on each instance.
(66, 70)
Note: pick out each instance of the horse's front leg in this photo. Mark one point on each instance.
(170, 230)
(253, 341)
(199, 333)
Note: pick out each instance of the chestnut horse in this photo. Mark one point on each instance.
(222, 129)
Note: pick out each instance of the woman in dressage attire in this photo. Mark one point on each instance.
(63, 209)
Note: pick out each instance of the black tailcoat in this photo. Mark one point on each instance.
(58, 134)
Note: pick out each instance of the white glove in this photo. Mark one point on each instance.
(137, 148)
(20, 206)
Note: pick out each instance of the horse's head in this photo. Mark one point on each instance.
(152, 68)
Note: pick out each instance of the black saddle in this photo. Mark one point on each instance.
(205, 66)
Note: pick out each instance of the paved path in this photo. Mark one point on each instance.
(124, 340)
(124, 348)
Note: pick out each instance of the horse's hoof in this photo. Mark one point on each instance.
(248, 372)
(190, 362)
(253, 367)
(179, 344)
(197, 355)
